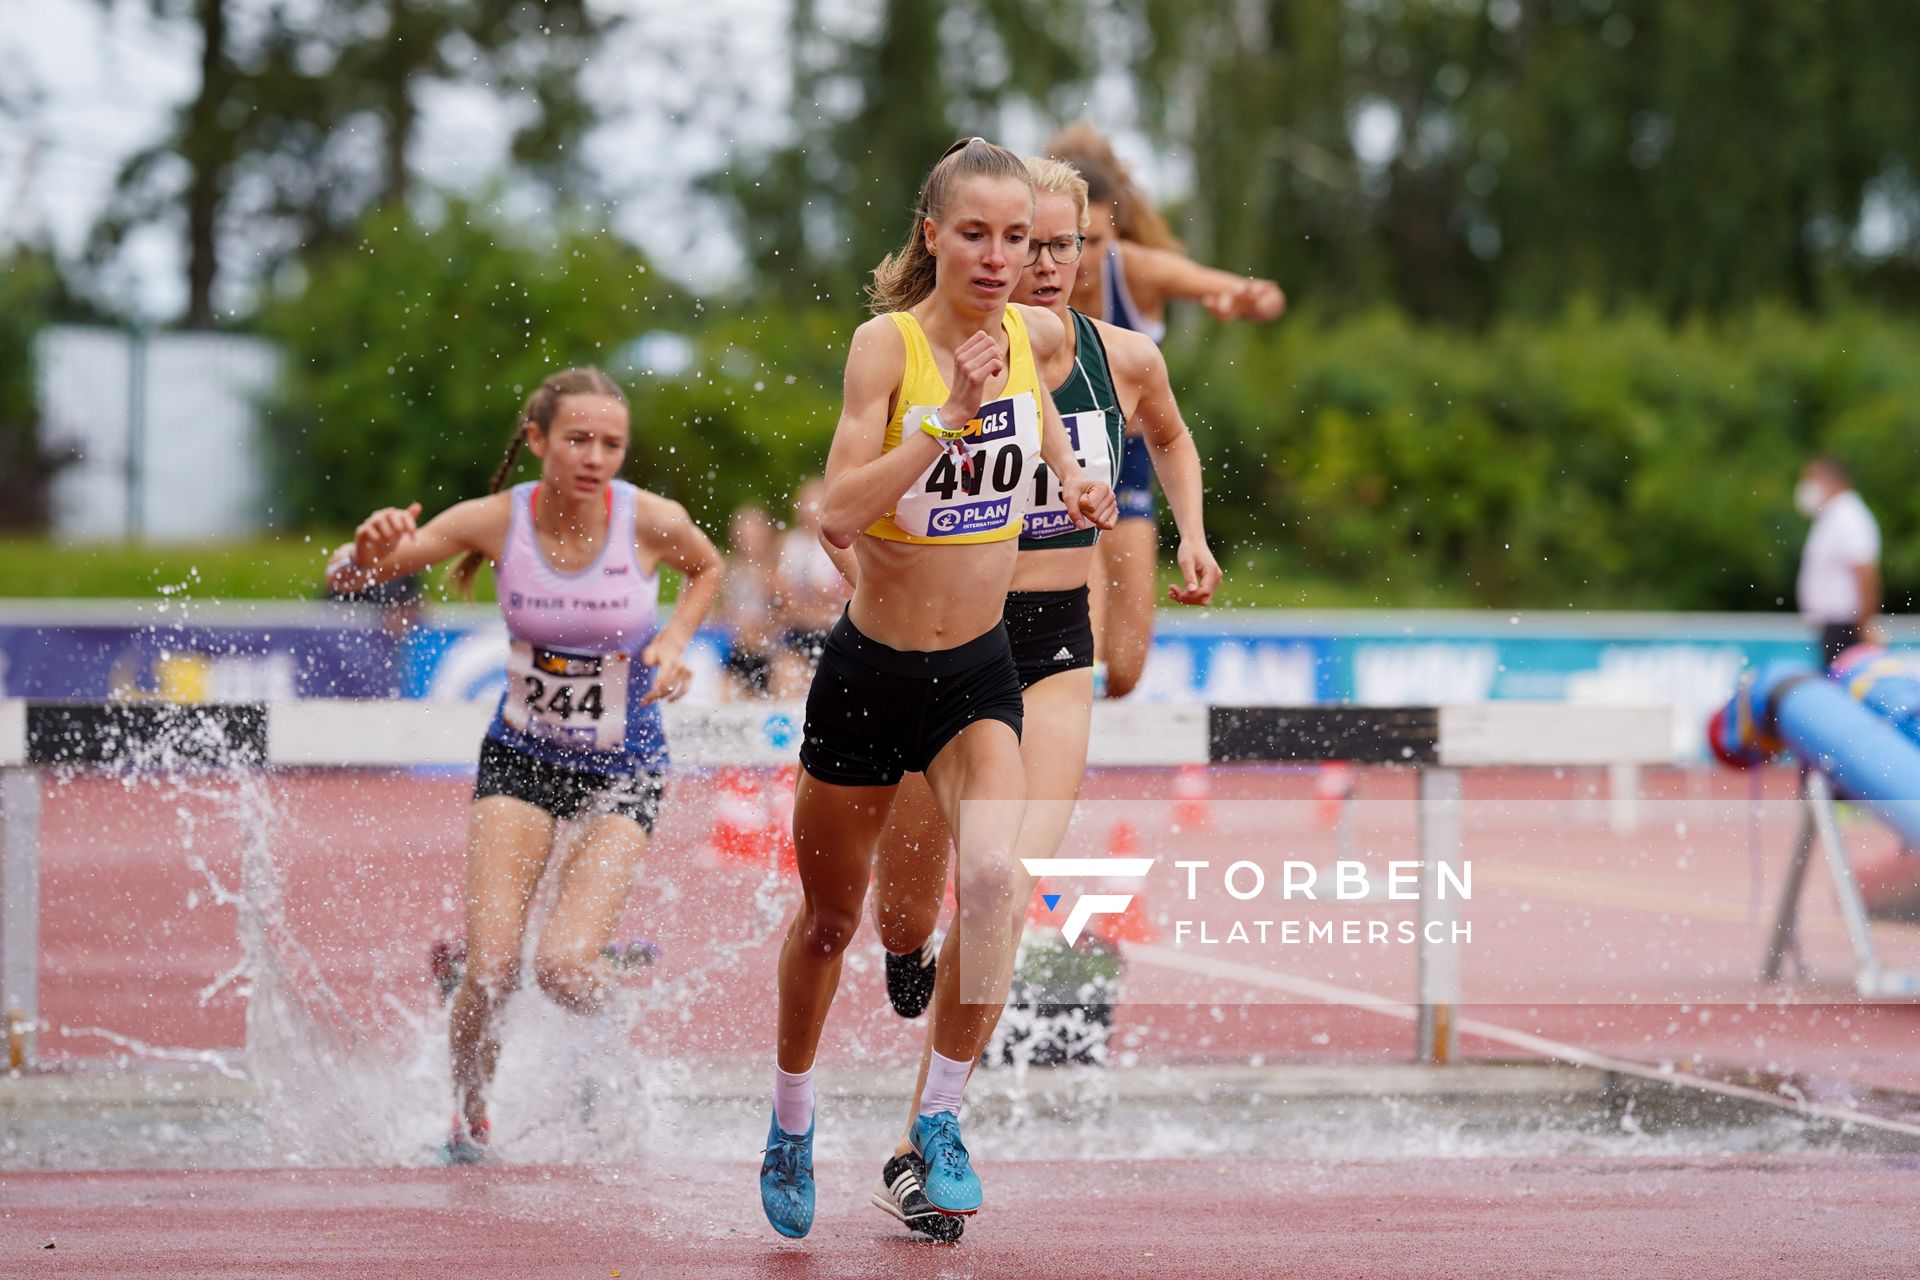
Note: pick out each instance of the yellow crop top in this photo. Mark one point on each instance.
(945, 506)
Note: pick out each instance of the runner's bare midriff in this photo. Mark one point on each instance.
(914, 596)
(1058, 569)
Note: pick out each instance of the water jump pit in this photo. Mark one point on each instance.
(238, 1059)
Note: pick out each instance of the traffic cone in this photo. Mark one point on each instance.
(1193, 798)
(739, 816)
(776, 837)
(1131, 925)
(1332, 788)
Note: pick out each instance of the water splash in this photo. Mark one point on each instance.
(337, 1076)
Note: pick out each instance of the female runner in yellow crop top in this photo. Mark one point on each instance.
(930, 461)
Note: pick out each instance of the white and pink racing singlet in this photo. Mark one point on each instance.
(574, 679)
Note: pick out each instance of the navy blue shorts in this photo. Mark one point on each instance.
(567, 793)
(1133, 487)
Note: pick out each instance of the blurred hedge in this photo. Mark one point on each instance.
(409, 357)
(1599, 460)
(1594, 461)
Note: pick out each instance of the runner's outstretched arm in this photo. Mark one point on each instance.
(1177, 463)
(1167, 276)
(391, 543)
(670, 533)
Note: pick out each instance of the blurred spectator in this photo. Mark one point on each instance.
(376, 657)
(402, 603)
(747, 604)
(810, 593)
(1839, 585)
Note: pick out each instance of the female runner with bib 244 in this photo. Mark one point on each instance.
(576, 558)
(931, 461)
(1102, 378)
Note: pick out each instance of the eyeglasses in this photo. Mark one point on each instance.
(1065, 251)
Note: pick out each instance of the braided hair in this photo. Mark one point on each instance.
(539, 411)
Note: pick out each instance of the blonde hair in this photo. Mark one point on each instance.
(906, 277)
(539, 410)
(1057, 177)
(1134, 217)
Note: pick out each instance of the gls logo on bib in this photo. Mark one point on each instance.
(974, 517)
(994, 423)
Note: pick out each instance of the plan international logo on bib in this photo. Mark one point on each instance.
(1047, 524)
(974, 517)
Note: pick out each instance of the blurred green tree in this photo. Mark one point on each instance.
(409, 354)
(1466, 160)
(1590, 460)
(262, 160)
(871, 113)
(29, 295)
(388, 49)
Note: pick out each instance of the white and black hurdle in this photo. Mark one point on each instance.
(1437, 742)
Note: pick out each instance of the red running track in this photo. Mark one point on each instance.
(134, 937)
(1642, 947)
(1648, 1218)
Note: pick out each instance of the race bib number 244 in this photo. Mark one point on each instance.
(573, 699)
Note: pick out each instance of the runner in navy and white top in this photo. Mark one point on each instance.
(1141, 268)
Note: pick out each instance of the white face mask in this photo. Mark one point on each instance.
(1808, 496)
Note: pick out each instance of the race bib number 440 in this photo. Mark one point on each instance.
(990, 492)
(572, 699)
(1047, 510)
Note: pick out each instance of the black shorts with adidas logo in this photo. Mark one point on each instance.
(1051, 632)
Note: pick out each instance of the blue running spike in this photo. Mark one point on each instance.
(951, 1186)
(786, 1181)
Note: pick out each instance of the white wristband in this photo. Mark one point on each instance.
(344, 559)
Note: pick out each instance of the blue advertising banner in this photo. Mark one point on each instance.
(1248, 658)
(74, 651)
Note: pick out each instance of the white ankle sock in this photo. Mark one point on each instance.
(946, 1080)
(793, 1100)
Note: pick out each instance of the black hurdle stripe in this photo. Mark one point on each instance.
(146, 734)
(1362, 735)
(152, 735)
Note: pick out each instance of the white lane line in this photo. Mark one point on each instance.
(1329, 993)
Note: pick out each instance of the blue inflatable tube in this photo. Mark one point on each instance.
(1787, 707)
(1883, 684)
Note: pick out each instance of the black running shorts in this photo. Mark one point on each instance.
(752, 668)
(564, 792)
(1050, 631)
(807, 644)
(875, 712)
